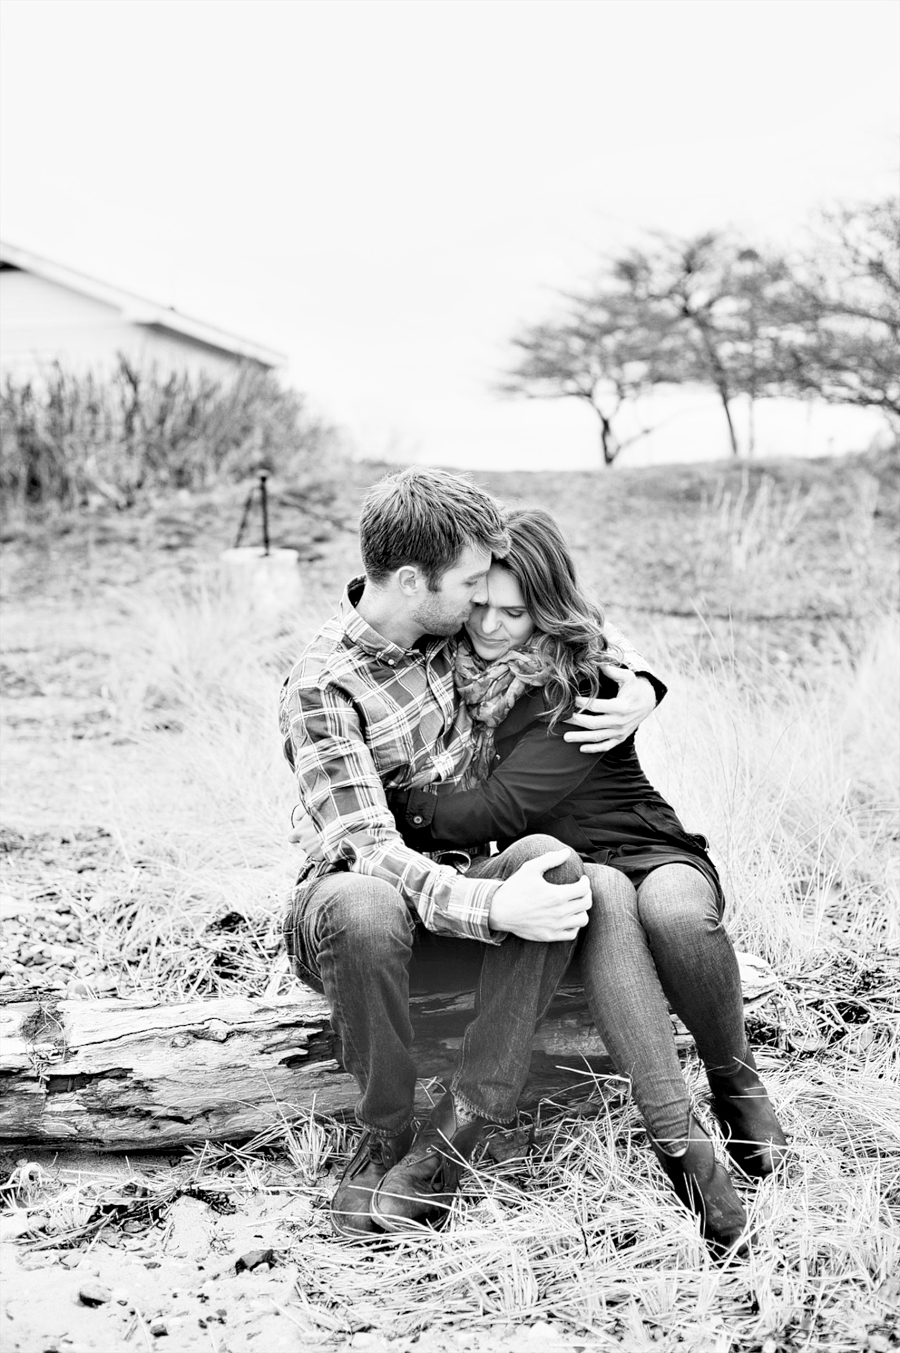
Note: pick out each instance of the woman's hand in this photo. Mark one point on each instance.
(612, 721)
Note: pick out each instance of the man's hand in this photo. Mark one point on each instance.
(304, 834)
(530, 907)
(612, 721)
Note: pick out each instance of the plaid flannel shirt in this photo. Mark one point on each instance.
(360, 716)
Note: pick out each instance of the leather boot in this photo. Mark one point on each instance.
(753, 1135)
(419, 1191)
(350, 1214)
(706, 1190)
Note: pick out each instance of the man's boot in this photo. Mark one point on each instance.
(753, 1135)
(706, 1190)
(373, 1158)
(419, 1191)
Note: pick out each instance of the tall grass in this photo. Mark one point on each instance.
(71, 438)
(793, 776)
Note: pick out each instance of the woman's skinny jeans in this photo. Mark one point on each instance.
(662, 944)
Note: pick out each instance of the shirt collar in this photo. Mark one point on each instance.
(357, 631)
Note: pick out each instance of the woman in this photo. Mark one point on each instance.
(655, 936)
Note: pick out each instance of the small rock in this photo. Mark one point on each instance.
(254, 1259)
(120, 1296)
(158, 1328)
(93, 1294)
(77, 988)
(70, 1260)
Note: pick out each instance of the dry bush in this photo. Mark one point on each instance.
(71, 439)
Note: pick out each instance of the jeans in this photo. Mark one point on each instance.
(647, 948)
(357, 935)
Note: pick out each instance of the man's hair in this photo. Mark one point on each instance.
(426, 517)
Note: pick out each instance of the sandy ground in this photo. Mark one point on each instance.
(179, 1288)
(175, 1287)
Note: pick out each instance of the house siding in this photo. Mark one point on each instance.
(42, 322)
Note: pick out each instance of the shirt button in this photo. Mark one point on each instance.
(418, 819)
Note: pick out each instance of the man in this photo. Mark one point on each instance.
(369, 708)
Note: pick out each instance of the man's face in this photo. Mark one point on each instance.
(463, 586)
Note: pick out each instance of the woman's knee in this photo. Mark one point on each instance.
(676, 898)
(530, 847)
(611, 890)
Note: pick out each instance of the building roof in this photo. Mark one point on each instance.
(137, 309)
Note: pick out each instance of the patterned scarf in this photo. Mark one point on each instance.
(489, 690)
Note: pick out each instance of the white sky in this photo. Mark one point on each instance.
(385, 189)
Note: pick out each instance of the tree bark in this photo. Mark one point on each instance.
(717, 369)
(607, 442)
(134, 1075)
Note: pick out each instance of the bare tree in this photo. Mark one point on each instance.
(719, 294)
(839, 324)
(606, 352)
(684, 311)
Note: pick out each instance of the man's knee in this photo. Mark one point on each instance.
(530, 847)
(366, 913)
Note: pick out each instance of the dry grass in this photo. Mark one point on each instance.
(791, 769)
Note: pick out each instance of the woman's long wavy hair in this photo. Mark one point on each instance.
(568, 623)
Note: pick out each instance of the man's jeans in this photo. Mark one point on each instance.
(357, 934)
(645, 949)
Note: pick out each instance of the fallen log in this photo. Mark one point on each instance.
(136, 1075)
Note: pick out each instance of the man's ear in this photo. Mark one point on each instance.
(409, 580)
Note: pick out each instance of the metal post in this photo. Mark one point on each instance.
(244, 515)
(265, 510)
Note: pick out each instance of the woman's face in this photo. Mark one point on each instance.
(503, 623)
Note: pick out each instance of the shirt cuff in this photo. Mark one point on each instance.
(470, 908)
(659, 687)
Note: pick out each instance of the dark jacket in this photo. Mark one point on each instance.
(603, 806)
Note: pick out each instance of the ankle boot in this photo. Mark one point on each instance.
(419, 1191)
(753, 1135)
(706, 1190)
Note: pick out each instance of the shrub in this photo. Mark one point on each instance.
(69, 438)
